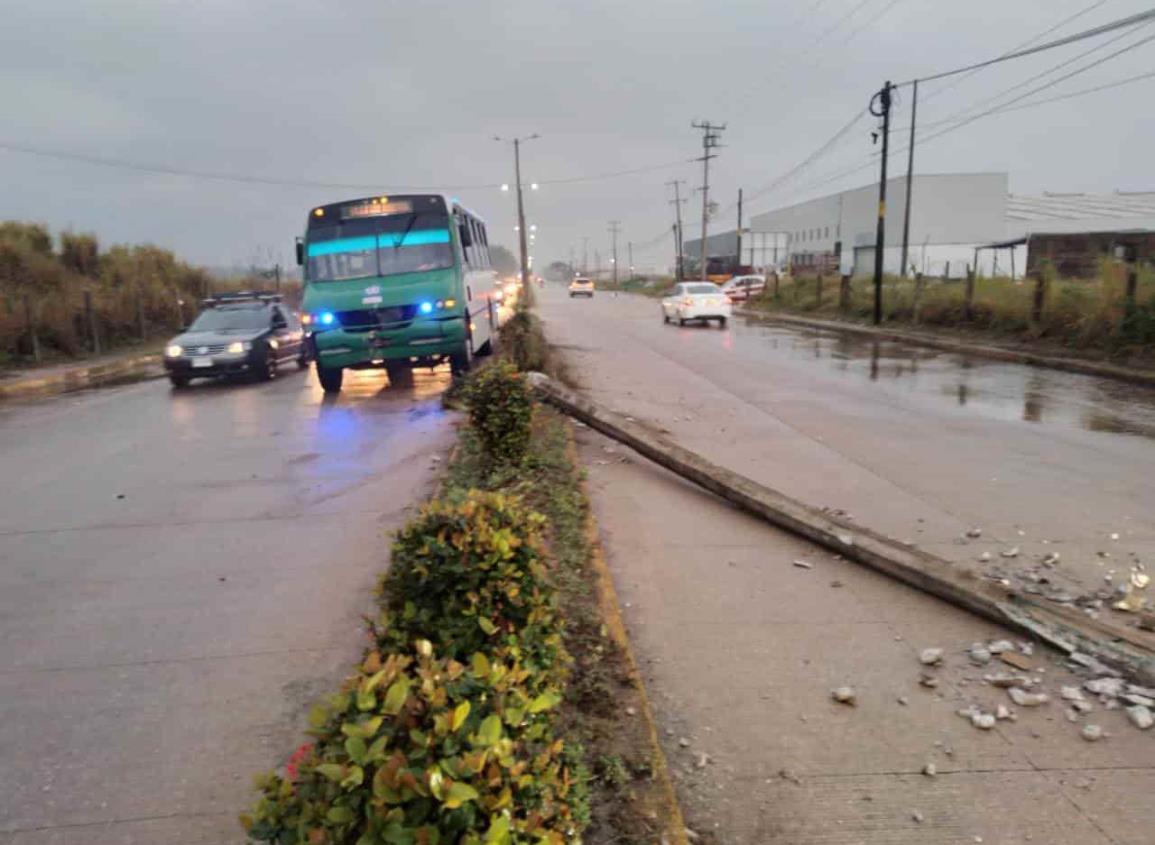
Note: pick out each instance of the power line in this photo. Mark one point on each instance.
(1105, 87)
(1069, 19)
(869, 162)
(1133, 20)
(980, 103)
(217, 176)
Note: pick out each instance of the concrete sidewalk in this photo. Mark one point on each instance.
(740, 649)
(50, 380)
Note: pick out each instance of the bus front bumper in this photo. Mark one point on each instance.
(421, 339)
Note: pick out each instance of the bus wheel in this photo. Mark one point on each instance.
(330, 378)
(399, 372)
(461, 361)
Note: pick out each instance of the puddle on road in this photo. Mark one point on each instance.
(983, 386)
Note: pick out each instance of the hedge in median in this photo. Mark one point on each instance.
(419, 749)
(471, 576)
(501, 413)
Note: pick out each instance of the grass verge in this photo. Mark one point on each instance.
(1086, 317)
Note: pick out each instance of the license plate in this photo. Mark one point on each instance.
(199, 363)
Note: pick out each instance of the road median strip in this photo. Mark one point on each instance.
(69, 379)
(494, 703)
(1125, 649)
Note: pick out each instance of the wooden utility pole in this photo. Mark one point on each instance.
(679, 266)
(883, 100)
(738, 252)
(614, 229)
(710, 136)
(521, 237)
(909, 179)
(630, 253)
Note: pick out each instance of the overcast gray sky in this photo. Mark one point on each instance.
(386, 94)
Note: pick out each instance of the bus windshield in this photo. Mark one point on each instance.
(358, 249)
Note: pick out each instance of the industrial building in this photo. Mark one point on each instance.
(957, 219)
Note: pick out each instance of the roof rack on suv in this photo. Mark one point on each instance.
(241, 296)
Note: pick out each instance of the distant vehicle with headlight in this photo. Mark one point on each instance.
(397, 282)
(243, 333)
(696, 301)
(581, 286)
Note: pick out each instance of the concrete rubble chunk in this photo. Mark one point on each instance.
(1112, 687)
(930, 656)
(983, 721)
(1071, 694)
(918, 817)
(1082, 706)
(1139, 700)
(1027, 699)
(1093, 664)
(928, 680)
(986, 557)
(974, 533)
(980, 654)
(1146, 692)
(1140, 716)
(702, 760)
(999, 646)
(1002, 712)
(684, 743)
(1092, 733)
(804, 564)
(930, 770)
(845, 695)
(1004, 680)
(1011, 552)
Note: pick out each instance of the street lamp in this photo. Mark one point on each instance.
(520, 203)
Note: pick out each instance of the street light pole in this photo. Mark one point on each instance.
(521, 239)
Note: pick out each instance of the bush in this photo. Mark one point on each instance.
(523, 337)
(500, 411)
(424, 750)
(470, 576)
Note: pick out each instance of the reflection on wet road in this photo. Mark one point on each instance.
(181, 573)
(982, 386)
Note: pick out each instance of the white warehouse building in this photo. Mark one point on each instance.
(953, 213)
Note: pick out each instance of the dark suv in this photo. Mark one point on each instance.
(243, 333)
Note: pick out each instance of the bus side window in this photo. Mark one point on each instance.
(485, 245)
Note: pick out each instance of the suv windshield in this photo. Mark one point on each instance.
(358, 249)
(231, 319)
(701, 288)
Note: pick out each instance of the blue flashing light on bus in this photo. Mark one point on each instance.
(326, 318)
(426, 307)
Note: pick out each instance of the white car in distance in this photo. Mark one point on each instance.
(700, 301)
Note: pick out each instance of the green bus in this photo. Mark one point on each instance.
(396, 282)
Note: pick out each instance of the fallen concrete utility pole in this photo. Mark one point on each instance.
(1128, 651)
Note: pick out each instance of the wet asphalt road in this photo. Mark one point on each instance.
(917, 443)
(181, 573)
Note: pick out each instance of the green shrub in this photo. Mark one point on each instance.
(500, 411)
(425, 750)
(470, 576)
(523, 337)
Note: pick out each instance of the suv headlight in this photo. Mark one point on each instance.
(238, 347)
(173, 351)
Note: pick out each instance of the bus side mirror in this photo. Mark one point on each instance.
(300, 252)
(466, 239)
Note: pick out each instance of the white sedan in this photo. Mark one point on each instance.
(696, 301)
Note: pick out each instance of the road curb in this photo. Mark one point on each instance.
(1145, 378)
(1068, 631)
(671, 810)
(119, 371)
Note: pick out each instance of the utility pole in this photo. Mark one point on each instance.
(710, 135)
(909, 179)
(739, 250)
(521, 241)
(883, 100)
(679, 265)
(613, 230)
(585, 256)
(630, 252)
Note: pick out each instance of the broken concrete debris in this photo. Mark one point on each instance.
(930, 656)
(1027, 699)
(980, 654)
(930, 770)
(804, 564)
(845, 695)
(1140, 716)
(1092, 733)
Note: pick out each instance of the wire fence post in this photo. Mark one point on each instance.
(90, 320)
(919, 286)
(30, 322)
(969, 296)
(844, 292)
